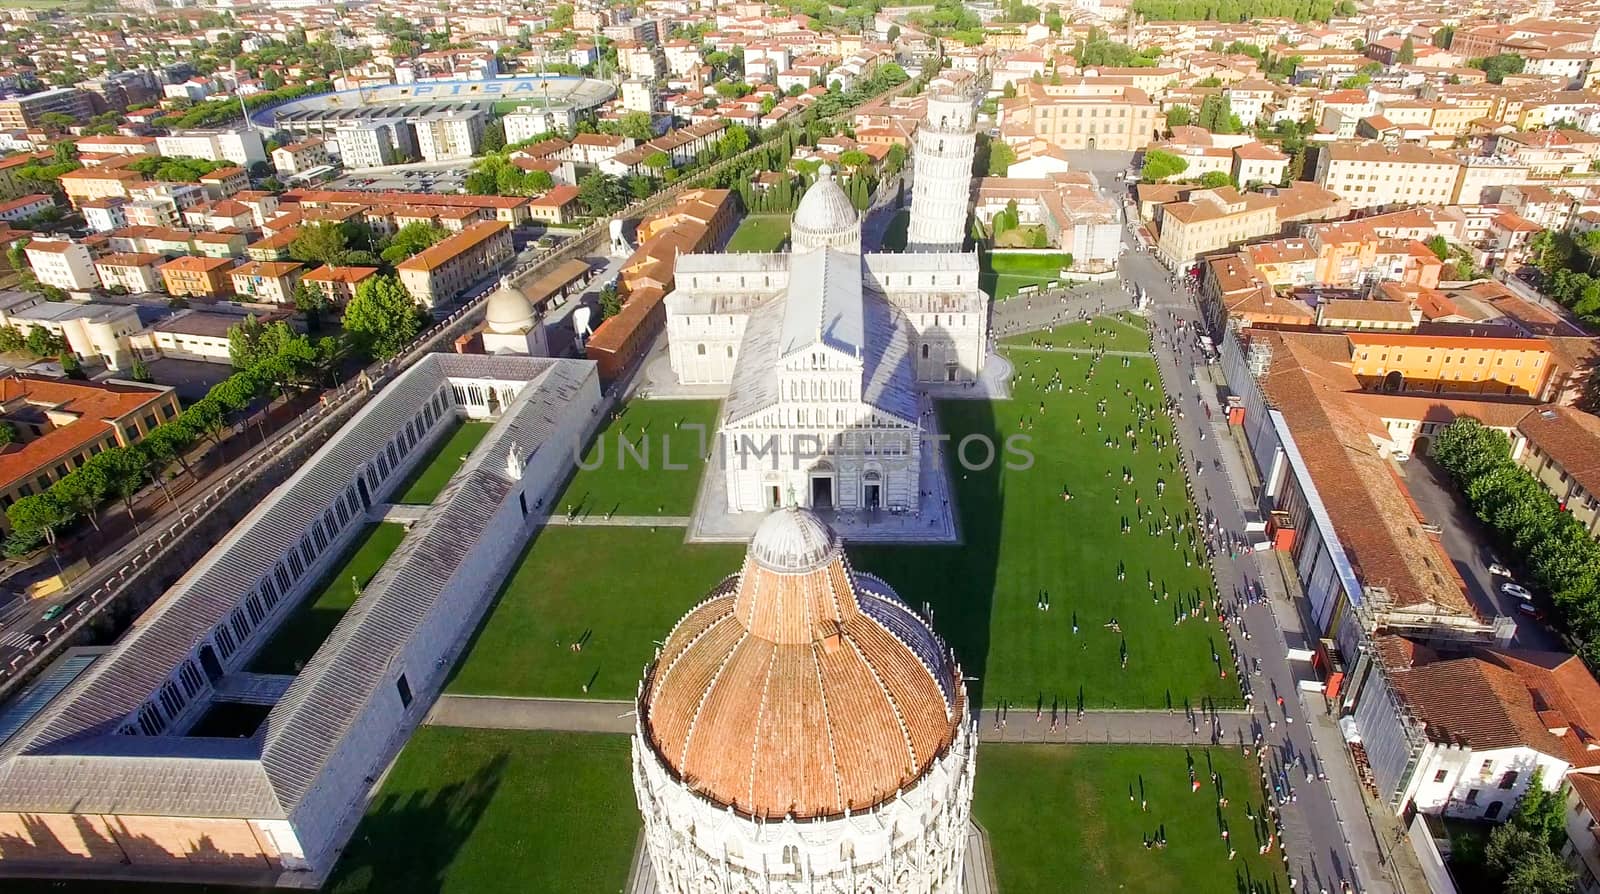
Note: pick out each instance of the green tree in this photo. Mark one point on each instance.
(44, 343)
(325, 243)
(1497, 67)
(636, 125)
(1216, 114)
(140, 371)
(1162, 165)
(312, 302)
(1508, 845)
(38, 517)
(84, 490)
(1541, 872)
(494, 137)
(12, 340)
(1439, 246)
(382, 318)
(1215, 179)
(124, 472)
(610, 301)
(410, 239)
(602, 194)
(1467, 448)
(1001, 157)
(1443, 37)
(1179, 116)
(1408, 52)
(1541, 811)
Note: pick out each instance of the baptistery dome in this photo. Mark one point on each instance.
(801, 688)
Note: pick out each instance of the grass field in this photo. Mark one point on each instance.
(302, 633)
(625, 586)
(760, 232)
(628, 586)
(643, 480)
(434, 471)
(1124, 332)
(1060, 819)
(477, 811)
(1001, 275)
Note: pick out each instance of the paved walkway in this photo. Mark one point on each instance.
(615, 716)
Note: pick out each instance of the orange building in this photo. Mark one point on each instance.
(1393, 361)
(198, 277)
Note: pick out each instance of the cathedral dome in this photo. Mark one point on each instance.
(825, 216)
(801, 688)
(508, 310)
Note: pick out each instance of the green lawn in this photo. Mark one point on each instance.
(1001, 275)
(1061, 818)
(435, 470)
(626, 587)
(894, 236)
(1125, 332)
(479, 811)
(644, 479)
(302, 633)
(760, 232)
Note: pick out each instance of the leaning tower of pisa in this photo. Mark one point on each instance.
(942, 175)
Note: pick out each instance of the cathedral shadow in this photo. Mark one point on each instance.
(957, 582)
(408, 841)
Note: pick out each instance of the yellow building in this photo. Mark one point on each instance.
(1082, 113)
(444, 271)
(1371, 174)
(1392, 361)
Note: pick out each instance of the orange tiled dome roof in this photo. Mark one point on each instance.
(800, 687)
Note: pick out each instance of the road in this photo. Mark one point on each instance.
(1464, 540)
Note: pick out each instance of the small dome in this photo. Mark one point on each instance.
(792, 540)
(825, 213)
(508, 310)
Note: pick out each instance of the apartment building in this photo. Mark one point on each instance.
(195, 334)
(299, 157)
(25, 112)
(1561, 447)
(90, 184)
(242, 146)
(197, 277)
(368, 145)
(267, 281)
(1214, 219)
(135, 271)
(25, 207)
(443, 272)
(530, 121)
(1393, 361)
(65, 265)
(450, 136)
(60, 423)
(1081, 113)
(339, 284)
(1372, 174)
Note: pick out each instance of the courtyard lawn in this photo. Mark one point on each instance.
(1124, 332)
(468, 811)
(1023, 541)
(302, 633)
(760, 232)
(435, 470)
(618, 589)
(1001, 275)
(644, 479)
(1058, 820)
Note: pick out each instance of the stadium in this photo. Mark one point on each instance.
(325, 113)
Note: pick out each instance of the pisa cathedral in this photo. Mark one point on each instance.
(826, 350)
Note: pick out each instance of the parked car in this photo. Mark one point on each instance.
(1517, 591)
(1530, 610)
(1499, 569)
